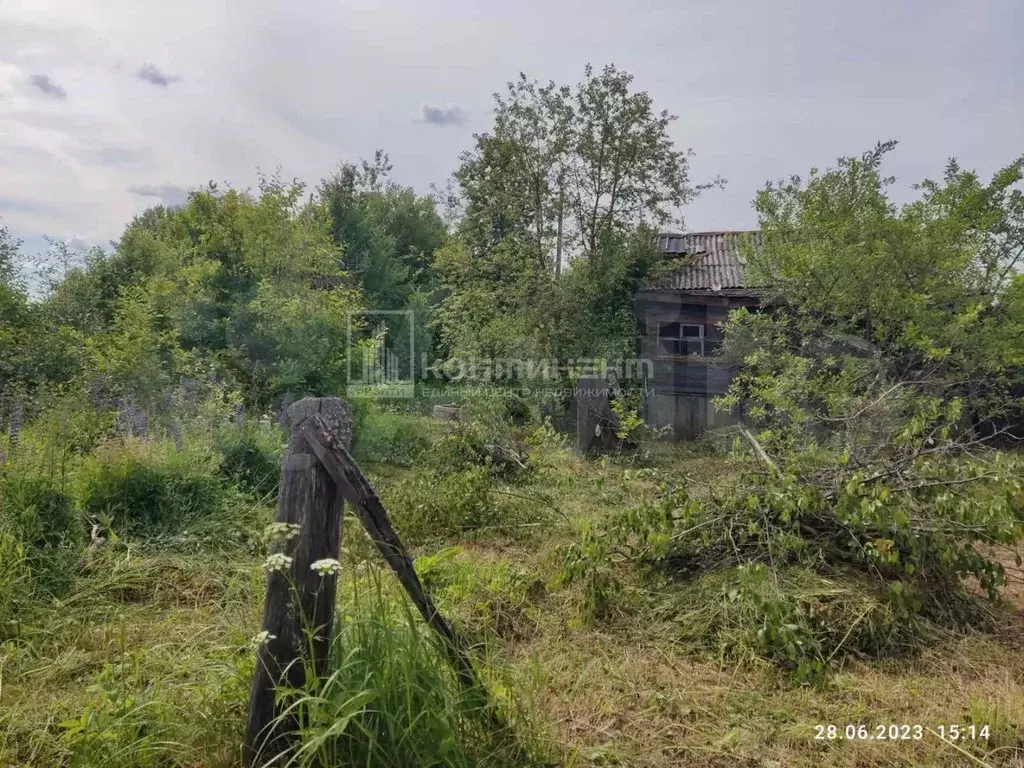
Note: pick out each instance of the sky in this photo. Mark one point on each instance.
(108, 107)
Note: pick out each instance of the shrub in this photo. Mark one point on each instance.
(43, 516)
(799, 579)
(390, 437)
(250, 457)
(42, 536)
(486, 599)
(467, 447)
(430, 507)
(145, 493)
(438, 505)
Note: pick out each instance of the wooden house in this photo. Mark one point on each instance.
(679, 317)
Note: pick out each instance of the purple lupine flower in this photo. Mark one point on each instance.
(17, 415)
(140, 426)
(175, 431)
(286, 403)
(239, 416)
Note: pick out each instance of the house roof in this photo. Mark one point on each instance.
(709, 262)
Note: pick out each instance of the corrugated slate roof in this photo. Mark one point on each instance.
(709, 261)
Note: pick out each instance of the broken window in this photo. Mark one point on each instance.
(690, 339)
(682, 339)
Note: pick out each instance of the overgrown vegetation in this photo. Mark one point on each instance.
(847, 554)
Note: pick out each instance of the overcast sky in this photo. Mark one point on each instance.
(109, 107)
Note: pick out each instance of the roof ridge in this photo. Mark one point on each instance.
(712, 232)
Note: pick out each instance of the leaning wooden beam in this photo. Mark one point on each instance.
(356, 489)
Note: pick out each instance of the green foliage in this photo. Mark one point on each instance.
(792, 617)
(248, 283)
(561, 201)
(923, 291)
(41, 533)
(630, 420)
(433, 507)
(146, 493)
(389, 436)
(388, 232)
(466, 447)
(43, 516)
(390, 698)
(785, 574)
(112, 726)
(250, 457)
(15, 578)
(489, 600)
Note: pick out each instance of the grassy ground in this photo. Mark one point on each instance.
(157, 637)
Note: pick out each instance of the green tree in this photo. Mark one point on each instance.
(558, 198)
(926, 286)
(247, 285)
(388, 232)
(15, 319)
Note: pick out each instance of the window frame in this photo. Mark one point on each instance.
(674, 344)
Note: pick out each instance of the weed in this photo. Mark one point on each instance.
(250, 457)
(488, 600)
(151, 492)
(390, 437)
(390, 698)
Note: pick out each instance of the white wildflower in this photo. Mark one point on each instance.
(326, 566)
(262, 637)
(276, 562)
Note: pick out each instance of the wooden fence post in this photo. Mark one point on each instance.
(298, 598)
(596, 422)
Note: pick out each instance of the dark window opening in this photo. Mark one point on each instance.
(686, 339)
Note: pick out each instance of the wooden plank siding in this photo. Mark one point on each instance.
(681, 388)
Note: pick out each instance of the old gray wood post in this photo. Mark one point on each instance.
(596, 422)
(298, 598)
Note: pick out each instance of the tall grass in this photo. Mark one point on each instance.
(390, 698)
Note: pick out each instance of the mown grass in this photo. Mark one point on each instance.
(146, 659)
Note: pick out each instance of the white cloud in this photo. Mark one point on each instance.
(167, 194)
(762, 90)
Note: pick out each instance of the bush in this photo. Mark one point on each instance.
(43, 516)
(431, 507)
(487, 599)
(800, 580)
(143, 492)
(467, 447)
(250, 457)
(390, 437)
(41, 535)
